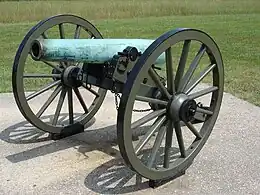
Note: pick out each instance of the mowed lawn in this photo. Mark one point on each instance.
(237, 33)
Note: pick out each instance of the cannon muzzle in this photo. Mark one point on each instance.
(36, 50)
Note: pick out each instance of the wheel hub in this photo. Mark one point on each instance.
(71, 77)
(182, 108)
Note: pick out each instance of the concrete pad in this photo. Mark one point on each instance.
(90, 163)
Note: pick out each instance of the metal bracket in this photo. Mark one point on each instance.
(67, 131)
(158, 183)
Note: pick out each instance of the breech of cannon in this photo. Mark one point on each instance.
(86, 50)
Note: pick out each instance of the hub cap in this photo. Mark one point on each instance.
(71, 77)
(181, 108)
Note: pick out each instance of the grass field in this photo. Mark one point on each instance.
(234, 24)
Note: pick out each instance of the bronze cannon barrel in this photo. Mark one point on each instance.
(86, 50)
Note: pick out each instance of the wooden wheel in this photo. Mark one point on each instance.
(49, 81)
(182, 101)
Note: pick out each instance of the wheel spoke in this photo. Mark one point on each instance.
(159, 84)
(168, 143)
(156, 147)
(90, 90)
(63, 64)
(30, 75)
(151, 100)
(203, 74)
(182, 62)
(202, 92)
(193, 129)
(149, 134)
(185, 80)
(77, 32)
(49, 101)
(169, 70)
(59, 106)
(179, 136)
(44, 35)
(76, 90)
(204, 111)
(61, 30)
(62, 36)
(77, 64)
(53, 66)
(147, 118)
(70, 105)
(43, 89)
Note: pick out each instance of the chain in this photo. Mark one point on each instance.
(117, 96)
(116, 100)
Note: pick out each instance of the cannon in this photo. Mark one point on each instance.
(152, 72)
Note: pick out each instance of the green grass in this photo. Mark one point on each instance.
(233, 24)
(117, 9)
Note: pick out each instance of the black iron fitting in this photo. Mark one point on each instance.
(130, 52)
(74, 78)
(188, 110)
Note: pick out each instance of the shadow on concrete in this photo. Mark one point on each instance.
(102, 139)
(26, 133)
(111, 177)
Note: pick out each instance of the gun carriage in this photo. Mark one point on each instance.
(132, 68)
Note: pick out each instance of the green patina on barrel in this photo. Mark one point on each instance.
(87, 50)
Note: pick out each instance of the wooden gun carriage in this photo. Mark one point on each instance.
(141, 70)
